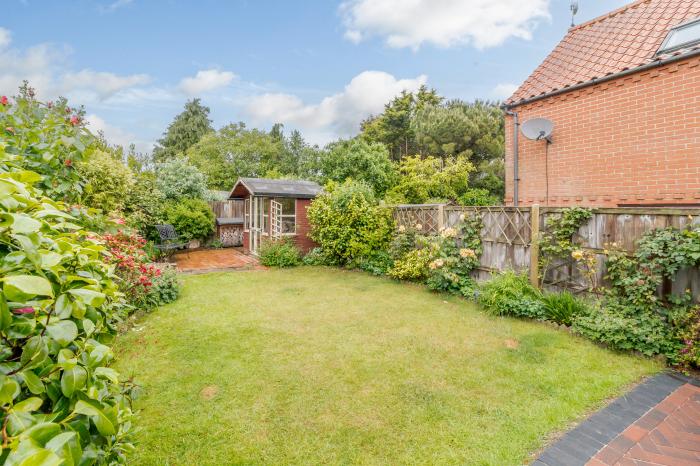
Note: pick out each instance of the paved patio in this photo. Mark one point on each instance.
(657, 423)
(208, 260)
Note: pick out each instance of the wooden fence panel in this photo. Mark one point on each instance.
(232, 208)
(506, 236)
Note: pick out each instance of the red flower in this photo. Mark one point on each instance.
(74, 120)
(10, 129)
(68, 162)
(23, 310)
(119, 221)
(3, 100)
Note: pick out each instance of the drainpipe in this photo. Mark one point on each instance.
(516, 178)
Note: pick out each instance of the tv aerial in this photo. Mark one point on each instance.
(574, 9)
(538, 129)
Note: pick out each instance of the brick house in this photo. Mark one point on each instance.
(275, 209)
(623, 92)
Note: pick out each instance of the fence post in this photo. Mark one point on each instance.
(535, 245)
(441, 217)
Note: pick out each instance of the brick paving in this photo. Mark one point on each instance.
(657, 423)
(207, 260)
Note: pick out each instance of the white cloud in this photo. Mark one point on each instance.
(444, 23)
(5, 37)
(205, 81)
(115, 5)
(504, 90)
(102, 83)
(115, 135)
(337, 115)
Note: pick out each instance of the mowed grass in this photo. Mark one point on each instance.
(324, 366)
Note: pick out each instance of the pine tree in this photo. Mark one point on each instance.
(184, 132)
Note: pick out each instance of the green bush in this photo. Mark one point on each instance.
(479, 197)
(279, 253)
(347, 222)
(414, 265)
(378, 263)
(165, 288)
(316, 257)
(511, 294)
(177, 179)
(144, 206)
(108, 182)
(192, 218)
(562, 308)
(59, 308)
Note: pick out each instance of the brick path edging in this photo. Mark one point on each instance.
(596, 436)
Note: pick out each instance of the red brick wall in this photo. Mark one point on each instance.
(632, 140)
(302, 239)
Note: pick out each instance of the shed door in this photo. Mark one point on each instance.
(276, 220)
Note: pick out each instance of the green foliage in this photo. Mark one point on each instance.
(563, 307)
(108, 182)
(316, 257)
(192, 218)
(428, 178)
(634, 316)
(556, 241)
(379, 263)
(48, 139)
(361, 161)
(165, 289)
(478, 197)
(393, 127)
(347, 222)
(184, 132)
(456, 255)
(59, 307)
(235, 151)
(177, 179)
(414, 265)
(279, 253)
(144, 206)
(511, 294)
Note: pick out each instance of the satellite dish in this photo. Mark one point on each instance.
(537, 128)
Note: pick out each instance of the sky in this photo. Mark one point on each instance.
(320, 66)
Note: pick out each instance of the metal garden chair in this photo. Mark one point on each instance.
(169, 240)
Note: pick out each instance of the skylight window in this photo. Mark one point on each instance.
(682, 36)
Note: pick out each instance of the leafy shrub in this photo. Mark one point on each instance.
(456, 252)
(479, 197)
(59, 307)
(414, 265)
(279, 253)
(139, 277)
(347, 222)
(192, 218)
(165, 287)
(316, 257)
(177, 179)
(378, 263)
(402, 242)
(563, 307)
(48, 139)
(108, 182)
(144, 206)
(511, 294)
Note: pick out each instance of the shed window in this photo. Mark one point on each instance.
(682, 36)
(289, 215)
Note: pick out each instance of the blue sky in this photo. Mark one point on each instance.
(319, 66)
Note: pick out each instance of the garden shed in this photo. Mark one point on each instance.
(275, 209)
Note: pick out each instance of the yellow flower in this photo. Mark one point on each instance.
(449, 233)
(419, 227)
(402, 229)
(467, 253)
(461, 217)
(578, 254)
(436, 264)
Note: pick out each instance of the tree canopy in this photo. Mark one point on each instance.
(361, 161)
(184, 132)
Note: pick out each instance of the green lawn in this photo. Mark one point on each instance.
(323, 366)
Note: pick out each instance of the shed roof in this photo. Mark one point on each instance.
(621, 40)
(301, 189)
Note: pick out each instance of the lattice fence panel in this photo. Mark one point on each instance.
(425, 216)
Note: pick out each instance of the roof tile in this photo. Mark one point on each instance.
(622, 39)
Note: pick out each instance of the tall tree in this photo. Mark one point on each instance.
(361, 161)
(393, 127)
(184, 132)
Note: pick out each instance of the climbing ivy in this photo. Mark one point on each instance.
(556, 242)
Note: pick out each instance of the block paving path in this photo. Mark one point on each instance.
(657, 423)
(209, 260)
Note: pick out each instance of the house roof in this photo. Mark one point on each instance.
(621, 40)
(301, 189)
